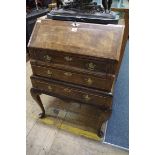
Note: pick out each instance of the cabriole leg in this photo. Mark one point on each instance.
(36, 96)
(103, 118)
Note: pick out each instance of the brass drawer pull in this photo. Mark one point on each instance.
(67, 58)
(91, 66)
(67, 90)
(49, 72)
(47, 58)
(68, 74)
(49, 88)
(87, 98)
(89, 81)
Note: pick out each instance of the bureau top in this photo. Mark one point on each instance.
(96, 40)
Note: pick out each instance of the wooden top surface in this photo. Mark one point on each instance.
(103, 41)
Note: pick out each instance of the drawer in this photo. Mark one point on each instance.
(104, 83)
(79, 94)
(84, 62)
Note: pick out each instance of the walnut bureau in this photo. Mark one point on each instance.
(75, 61)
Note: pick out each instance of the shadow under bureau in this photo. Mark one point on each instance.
(75, 61)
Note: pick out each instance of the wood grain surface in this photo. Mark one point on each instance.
(80, 94)
(85, 39)
(104, 83)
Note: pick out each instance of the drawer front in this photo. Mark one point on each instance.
(104, 83)
(103, 101)
(91, 64)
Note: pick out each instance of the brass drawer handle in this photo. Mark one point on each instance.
(49, 72)
(91, 66)
(87, 98)
(89, 81)
(67, 58)
(68, 74)
(49, 88)
(47, 58)
(67, 90)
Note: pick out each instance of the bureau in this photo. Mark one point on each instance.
(75, 61)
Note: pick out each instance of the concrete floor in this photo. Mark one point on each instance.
(46, 138)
